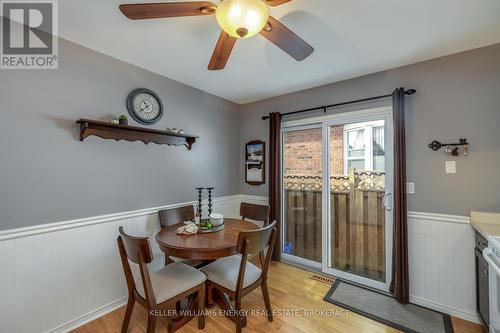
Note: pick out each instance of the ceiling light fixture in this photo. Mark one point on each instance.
(242, 18)
(238, 18)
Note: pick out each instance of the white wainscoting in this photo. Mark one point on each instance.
(441, 263)
(56, 277)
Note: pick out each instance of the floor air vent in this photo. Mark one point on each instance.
(322, 278)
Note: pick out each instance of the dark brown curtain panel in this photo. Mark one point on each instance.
(275, 177)
(400, 279)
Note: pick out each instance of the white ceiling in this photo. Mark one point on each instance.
(350, 37)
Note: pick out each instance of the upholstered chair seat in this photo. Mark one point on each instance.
(225, 272)
(168, 281)
(234, 277)
(158, 287)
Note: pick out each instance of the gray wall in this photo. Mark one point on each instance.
(48, 175)
(457, 96)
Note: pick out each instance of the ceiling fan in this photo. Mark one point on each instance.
(239, 19)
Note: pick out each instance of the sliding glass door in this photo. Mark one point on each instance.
(302, 194)
(337, 194)
(358, 188)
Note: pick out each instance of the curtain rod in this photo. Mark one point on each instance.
(324, 107)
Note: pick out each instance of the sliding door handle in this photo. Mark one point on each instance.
(387, 203)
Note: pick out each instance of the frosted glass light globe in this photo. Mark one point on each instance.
(242, 18)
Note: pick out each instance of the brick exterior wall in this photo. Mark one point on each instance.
(337, 150)
(303, 152)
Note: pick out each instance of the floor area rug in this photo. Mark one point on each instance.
(384, 309)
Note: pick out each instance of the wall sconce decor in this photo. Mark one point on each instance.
(451, 148)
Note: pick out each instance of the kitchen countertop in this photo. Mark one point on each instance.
(486, 223)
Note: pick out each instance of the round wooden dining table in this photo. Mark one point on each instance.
(203, 246)
(206, 246)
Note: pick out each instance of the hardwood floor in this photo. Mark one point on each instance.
(291, 289)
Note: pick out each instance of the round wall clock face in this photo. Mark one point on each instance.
(144, 106)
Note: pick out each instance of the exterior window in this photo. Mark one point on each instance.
(356, 149)
(364, 146)
(378, 148)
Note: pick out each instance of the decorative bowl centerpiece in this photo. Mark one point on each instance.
(214, 224)
(216, 219)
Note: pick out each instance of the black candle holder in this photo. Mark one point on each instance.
(200, 190)
(210, 189)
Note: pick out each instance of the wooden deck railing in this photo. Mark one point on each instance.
(357, 217)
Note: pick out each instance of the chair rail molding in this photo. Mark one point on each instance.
(87, 221)
(422, 216)
(73, 268)
(77, 263)
(438, 254)
(441, 263)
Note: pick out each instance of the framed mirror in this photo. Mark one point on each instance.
(255, 166)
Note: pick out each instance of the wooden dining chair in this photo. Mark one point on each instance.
(237, 277)
(156, 287)
(254, 212)
(173, 216)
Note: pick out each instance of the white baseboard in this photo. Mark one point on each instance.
(102, 311)
(47, 261)
(88, 317)
(469, 316)
(434, 231)
(68, 273)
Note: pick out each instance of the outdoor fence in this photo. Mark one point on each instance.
(357, 218)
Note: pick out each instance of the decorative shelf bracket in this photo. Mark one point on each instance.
(117, 132)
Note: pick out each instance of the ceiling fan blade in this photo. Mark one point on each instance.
(222, 52)
(286, 39)
(140, 11)
(275, 3)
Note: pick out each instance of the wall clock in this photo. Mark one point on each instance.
(144, 106)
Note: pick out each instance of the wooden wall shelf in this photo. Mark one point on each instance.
(117, 132)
